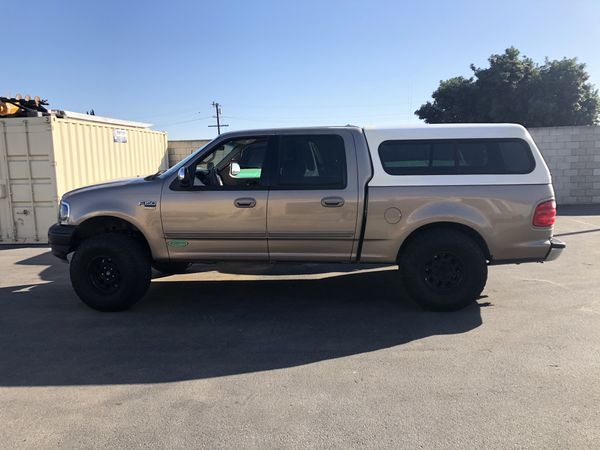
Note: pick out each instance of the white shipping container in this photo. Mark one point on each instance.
(41, 158)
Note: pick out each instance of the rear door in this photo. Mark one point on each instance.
(313, 200)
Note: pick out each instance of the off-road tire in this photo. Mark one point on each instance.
(443, 269)
(110, 272)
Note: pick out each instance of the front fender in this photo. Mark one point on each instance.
(137, 204)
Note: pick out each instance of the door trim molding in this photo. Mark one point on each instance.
(273, 236)
(332, 235)
(216, 235)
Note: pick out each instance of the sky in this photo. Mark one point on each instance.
(272, 63)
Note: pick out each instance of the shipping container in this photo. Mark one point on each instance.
(41, 158)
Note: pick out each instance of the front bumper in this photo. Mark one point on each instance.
(556, 248)
(61, 239)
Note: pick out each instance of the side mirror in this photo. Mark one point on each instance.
(234, 169)
(183, 176)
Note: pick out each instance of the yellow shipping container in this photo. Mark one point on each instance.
(41, 158)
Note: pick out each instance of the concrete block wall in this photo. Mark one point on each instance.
(572, 153)
(573, 156)
(177, 150)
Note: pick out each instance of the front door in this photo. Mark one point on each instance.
(313, 200)
(220, 211)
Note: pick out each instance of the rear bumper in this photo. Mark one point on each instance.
(545, 253)
(61, 239)
(556, 248)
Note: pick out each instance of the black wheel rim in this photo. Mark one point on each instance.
(104, 274)
(443, 272)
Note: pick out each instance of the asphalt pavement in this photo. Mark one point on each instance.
(231, 356)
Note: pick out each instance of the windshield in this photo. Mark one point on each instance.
(181, 163)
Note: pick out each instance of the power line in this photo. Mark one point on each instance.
(316, 106)
(183, 121)
(188, 111)
(283, 119)
(171, 113)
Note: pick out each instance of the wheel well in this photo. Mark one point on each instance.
(448, 226)
(109, 224)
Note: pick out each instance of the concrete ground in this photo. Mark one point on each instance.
(337, 360)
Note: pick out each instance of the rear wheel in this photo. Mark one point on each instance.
(443, 270)
(110, 272)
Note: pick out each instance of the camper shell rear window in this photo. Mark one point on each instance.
(456, 157)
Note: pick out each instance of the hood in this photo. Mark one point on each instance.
(107, 185)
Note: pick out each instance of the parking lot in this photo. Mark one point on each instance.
(271, 357)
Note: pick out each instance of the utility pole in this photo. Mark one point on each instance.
(218, 117)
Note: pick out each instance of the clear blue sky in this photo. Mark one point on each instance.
(272, 63)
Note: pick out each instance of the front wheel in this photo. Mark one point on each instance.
(110, 272)
(443, 270)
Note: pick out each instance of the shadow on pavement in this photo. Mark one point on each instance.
(573, 233)
(578, 210)
(200, 329)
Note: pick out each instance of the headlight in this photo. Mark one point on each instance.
(64, 211)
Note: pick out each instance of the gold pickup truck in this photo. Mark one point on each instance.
(442, 201)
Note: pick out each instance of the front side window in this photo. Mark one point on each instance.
(311, 162)
(237, 163)
(456, 157)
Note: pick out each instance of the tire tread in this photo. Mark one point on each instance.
(135, 264)
(473, 257)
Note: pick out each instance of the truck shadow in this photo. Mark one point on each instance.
(579, 210)
(184, 330)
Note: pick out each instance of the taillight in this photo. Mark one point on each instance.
(544, 214)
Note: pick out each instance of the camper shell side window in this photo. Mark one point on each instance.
(456, 157)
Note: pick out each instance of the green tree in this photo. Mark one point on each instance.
(516, 89)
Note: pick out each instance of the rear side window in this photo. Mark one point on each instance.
(456, 157)
(312, 162)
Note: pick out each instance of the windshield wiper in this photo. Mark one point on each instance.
(154, 175)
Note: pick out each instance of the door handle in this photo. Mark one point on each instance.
(332, 202)
(245, 202)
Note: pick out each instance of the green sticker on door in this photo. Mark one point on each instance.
(177, 243)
